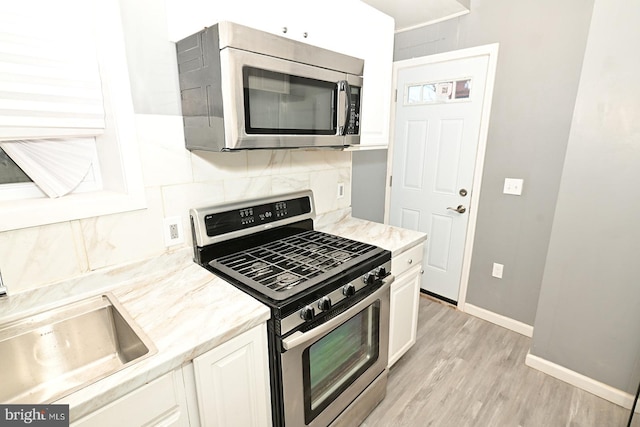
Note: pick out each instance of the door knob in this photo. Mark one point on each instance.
(460, 209)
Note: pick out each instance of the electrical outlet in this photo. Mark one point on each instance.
(497, 270)
(173, 232)
(340, 190)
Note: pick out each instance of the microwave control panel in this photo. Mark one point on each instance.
(353, 127)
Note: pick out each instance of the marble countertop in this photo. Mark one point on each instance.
(184, 309)
(394, 239)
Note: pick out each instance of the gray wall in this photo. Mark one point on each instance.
(542, 44)
(368, 178)
(588, 315)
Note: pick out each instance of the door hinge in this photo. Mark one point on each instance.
(390, 180)
(395, 96)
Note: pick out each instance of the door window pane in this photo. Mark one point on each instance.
(428, 93)
(463, 88)
(414, 95)
(438, 92)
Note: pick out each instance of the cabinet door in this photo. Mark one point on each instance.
(357, 29)
(375, 46)
(232, 382)
(162, 402)
(403, 322)
(185, 17)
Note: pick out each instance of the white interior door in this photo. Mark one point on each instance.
(438, 122)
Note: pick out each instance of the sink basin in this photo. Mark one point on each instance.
(51, 354)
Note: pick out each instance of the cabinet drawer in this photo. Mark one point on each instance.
(161, 402)
(407, 259)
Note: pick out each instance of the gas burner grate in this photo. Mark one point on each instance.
(285, 263)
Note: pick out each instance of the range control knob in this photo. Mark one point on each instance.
(308, 313)
(382, 272)
(349, 290)
(324, 304)
(368, 278)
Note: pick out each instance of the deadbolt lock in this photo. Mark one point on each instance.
(463, 192)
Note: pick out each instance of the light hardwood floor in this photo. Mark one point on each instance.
(464, 371)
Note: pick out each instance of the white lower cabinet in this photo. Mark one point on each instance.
(232, 382)
(405, 292)
(162, 402)
(226, 386)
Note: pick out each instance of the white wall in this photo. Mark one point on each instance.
(175, 179)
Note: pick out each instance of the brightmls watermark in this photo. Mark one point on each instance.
(34, 415)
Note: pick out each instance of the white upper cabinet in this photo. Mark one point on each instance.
(346, 26)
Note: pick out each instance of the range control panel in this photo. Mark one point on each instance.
(247, 217)
(332, 300)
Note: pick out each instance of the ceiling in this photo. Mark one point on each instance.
(417, 13)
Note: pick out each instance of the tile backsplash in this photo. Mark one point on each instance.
(175, 180)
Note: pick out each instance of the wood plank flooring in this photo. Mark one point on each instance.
(464, 371)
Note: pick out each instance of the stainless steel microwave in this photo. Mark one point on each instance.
(246, 89)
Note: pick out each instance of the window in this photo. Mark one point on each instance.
(50, 91)
(438, 92)
(10, 173)
(105, 134)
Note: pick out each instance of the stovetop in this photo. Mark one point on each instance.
(290, 262)
(268, 248)
(291, 267)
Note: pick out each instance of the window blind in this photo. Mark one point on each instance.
(49, 77)
(57, 166)
(50, 89)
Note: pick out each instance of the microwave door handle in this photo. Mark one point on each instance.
(347, 107)
(344, 91)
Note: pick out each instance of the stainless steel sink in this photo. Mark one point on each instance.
(49, 355)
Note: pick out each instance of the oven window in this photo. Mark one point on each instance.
(277, 103)
(335, 361)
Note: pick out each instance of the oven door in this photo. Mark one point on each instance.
(326, 368)
(276, 103)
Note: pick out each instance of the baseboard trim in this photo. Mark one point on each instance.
(612, 394)
(500, 320)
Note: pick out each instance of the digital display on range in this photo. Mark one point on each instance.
(238, 219)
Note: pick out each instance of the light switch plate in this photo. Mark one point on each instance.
(513, 186)
(497, 270)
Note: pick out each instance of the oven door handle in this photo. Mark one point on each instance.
(301, 338)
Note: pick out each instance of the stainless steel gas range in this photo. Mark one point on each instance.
(329, 300)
